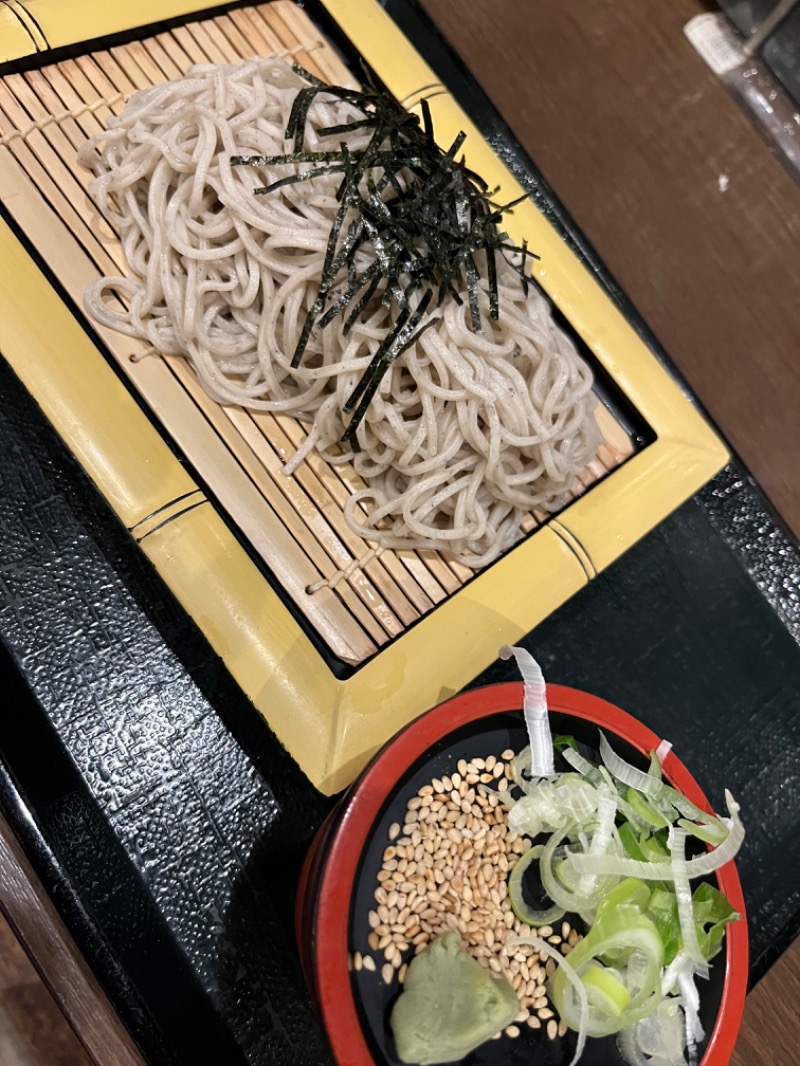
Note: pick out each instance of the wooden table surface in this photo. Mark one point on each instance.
(634, 134)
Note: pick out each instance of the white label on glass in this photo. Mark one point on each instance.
(716, 41)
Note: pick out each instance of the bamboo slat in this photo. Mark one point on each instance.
(356, 598)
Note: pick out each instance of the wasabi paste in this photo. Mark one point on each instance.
(449, 1005)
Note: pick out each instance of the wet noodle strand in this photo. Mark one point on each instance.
(467, 432)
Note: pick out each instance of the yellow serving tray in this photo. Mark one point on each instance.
(330, 726)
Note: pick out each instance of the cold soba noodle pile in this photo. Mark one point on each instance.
(454, 395)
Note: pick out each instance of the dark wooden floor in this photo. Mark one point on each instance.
(33, 1032)
(634, 134)
(770, 1033)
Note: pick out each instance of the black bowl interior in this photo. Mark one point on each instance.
(374, 1000)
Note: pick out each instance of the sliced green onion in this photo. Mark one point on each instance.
(663, 909)
(630, 842)
(527, 914)
(548, 806)
(655, 766)
(683, 895)
(567, 971)
(630, 892)
(605, 989)
(534, 707)
(618, 866)
(711, 909)
(623, 930)
(646, 811)
(627, 774)
(582, 765)
(634, 971)
(653, 849)
(708, 834)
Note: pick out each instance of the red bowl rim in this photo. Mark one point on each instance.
(361, 808)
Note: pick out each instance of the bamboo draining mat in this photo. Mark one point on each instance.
(354, 598)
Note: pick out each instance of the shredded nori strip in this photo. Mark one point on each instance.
(401, 337)
(421, 234)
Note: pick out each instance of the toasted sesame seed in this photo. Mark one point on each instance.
(394, 831)
(368, 963)
(448, 871)
(534, 1022)
(545, 931)
(507, 754)
(544, 1013)
(357, 961)
(512, 1030)
(552, 1029)
(562, 1028)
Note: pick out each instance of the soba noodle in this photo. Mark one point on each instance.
(468, 431)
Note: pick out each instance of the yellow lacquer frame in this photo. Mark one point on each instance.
(331, 726)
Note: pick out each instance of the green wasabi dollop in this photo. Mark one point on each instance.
(449, 1005)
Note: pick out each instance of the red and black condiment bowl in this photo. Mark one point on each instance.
(339, 876)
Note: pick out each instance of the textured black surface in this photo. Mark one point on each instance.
(213, 836)
(745, 521)
(782, 53)
(747, 15)
(169, 824)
